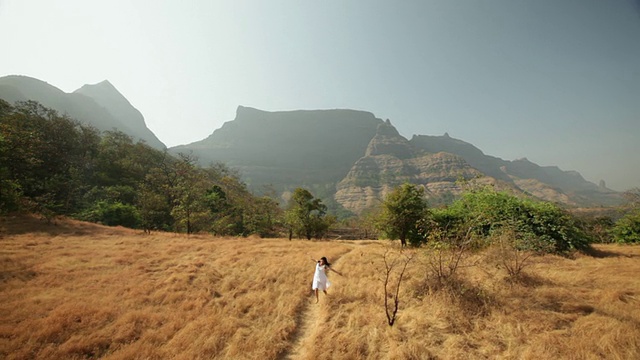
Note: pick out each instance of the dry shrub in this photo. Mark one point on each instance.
(512, 253)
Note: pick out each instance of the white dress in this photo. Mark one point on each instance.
(320, 280)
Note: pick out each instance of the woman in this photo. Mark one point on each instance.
(320, 281)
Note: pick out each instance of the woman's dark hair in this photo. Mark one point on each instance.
(326, 262)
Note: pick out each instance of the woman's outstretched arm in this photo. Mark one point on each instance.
(335, 271)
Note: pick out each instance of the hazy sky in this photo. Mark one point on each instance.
(556, 81)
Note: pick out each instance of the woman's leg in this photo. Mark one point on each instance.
(317, 299)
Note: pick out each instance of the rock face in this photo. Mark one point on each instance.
(286, 149)
(346, 157)
(391, 160)
(100, 105)
(545, 182)
(355, 159)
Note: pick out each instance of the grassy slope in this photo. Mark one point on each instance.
(79, 290)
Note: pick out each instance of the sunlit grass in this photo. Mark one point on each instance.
(80, 290)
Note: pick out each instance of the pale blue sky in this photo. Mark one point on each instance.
(557, 81)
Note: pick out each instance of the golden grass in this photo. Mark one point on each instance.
(80, 290)
(118, 294)
(586, 308)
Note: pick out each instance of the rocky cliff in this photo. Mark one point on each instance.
(355, 159)
(390, 160)
(545, 182)
(286, 149)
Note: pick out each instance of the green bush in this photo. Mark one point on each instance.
(480, 213)
(627, 229)
(599, 228)
(113, 214)
(10, 195)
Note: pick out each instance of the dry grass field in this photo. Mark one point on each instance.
(76, 290)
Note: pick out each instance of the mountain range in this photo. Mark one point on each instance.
(349, 158)
(354, 158)
(99, 105)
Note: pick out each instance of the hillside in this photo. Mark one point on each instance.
(287, 149)
(389, 161)
(349, 158)
(545, 182)
(354, 159)
(76, 290)
(100, 105)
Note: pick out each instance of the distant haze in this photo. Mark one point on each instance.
(557, 81)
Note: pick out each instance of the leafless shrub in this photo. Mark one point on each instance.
(513, 253)
(444, 257)
(395, 264)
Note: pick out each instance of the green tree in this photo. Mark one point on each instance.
(189, 208)
(10, 192)
(305, 215)
(45, 157)
(154, 209)
(403, 215)
(627, 228)
(52, 165)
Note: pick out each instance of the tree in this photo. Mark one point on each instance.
(189, 209)
(403, 215)
(305, 215)
(10, 192)
(627, 228)
(394, 265)
(52, 165)
(44, 158)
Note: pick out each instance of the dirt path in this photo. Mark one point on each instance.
(308, 321)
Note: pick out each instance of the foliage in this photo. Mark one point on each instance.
(404, 214)
(44, 157)
(599, 228)
(627, 229)
(305, 215)
(445, 254)
(541, 225)
(113, 214)
(51, 165)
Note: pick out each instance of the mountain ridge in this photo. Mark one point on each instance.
(100, 105)
(348, 157)
(434, 162)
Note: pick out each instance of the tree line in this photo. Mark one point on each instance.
(53, 165)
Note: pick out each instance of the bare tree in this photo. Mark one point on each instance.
(395, 266)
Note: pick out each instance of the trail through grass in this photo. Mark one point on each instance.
(308, 322)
